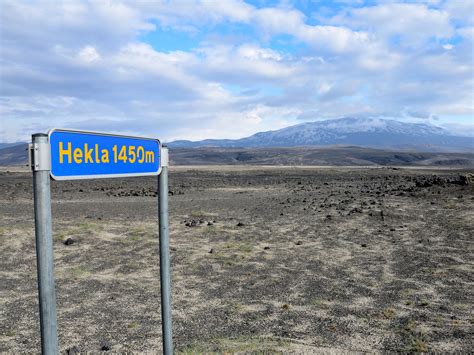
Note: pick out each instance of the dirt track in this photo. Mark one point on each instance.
(263, 259)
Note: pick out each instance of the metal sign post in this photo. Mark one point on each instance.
(165, 275)
(41, 165)
(71, 155)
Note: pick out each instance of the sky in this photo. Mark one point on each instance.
(229, 68)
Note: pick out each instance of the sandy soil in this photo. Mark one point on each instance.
(273, 259)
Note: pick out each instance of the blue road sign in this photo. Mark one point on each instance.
(92, 155)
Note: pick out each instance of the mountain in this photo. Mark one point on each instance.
(13, 154)
(365, 132)
(6, 145)
(345, 141)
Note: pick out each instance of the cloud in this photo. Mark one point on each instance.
(89, 65)
(408, 24)
(460, 11)
(88, 55)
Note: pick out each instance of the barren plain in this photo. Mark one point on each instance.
(269, 259)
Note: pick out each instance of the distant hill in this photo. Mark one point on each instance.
(335, 156)
(364, 132)
(346, 141)
(13, 154)
(6, 145)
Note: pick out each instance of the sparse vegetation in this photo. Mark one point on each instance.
(199, 214)
(133, 325)
(237, 307)
(79, 272)
(136, 234)
(424, 303)
(409, 327)
(283, 273)
(450, 205)
(262, 345)
(389, 313)
(419, 345)
(319, 303)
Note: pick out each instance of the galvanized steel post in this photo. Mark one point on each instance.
(41, 166)
(165, 273)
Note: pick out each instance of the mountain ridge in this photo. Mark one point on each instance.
(363, 132)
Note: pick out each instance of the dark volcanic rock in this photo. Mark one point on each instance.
(70, 241)
(105, 346)
(192, 223)
(73, 350)
(466, 179)
(355, 210)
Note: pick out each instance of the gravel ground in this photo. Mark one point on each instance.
(263, 259)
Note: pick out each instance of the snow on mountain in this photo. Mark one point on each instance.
(368, 132)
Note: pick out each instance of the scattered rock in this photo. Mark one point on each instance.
(211, 251)
(105, 346)
(466, 179)
(266, 248)
(73, 350)
(192, 223)
(299, 242)
(240, 224)
(210, 223)
(443, 308)
(363, 245)
(69, 241)
(430, 181)
(355, 210)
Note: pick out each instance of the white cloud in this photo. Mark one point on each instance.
(196, 13)
(88, 55)
(460, 10)
(84, 64)
(467, 33)
(410, 24)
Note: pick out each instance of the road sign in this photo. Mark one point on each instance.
(69, 155)
(92, 155)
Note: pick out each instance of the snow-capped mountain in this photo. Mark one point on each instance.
(367, 132)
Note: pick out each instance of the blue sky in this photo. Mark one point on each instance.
(227, 69)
